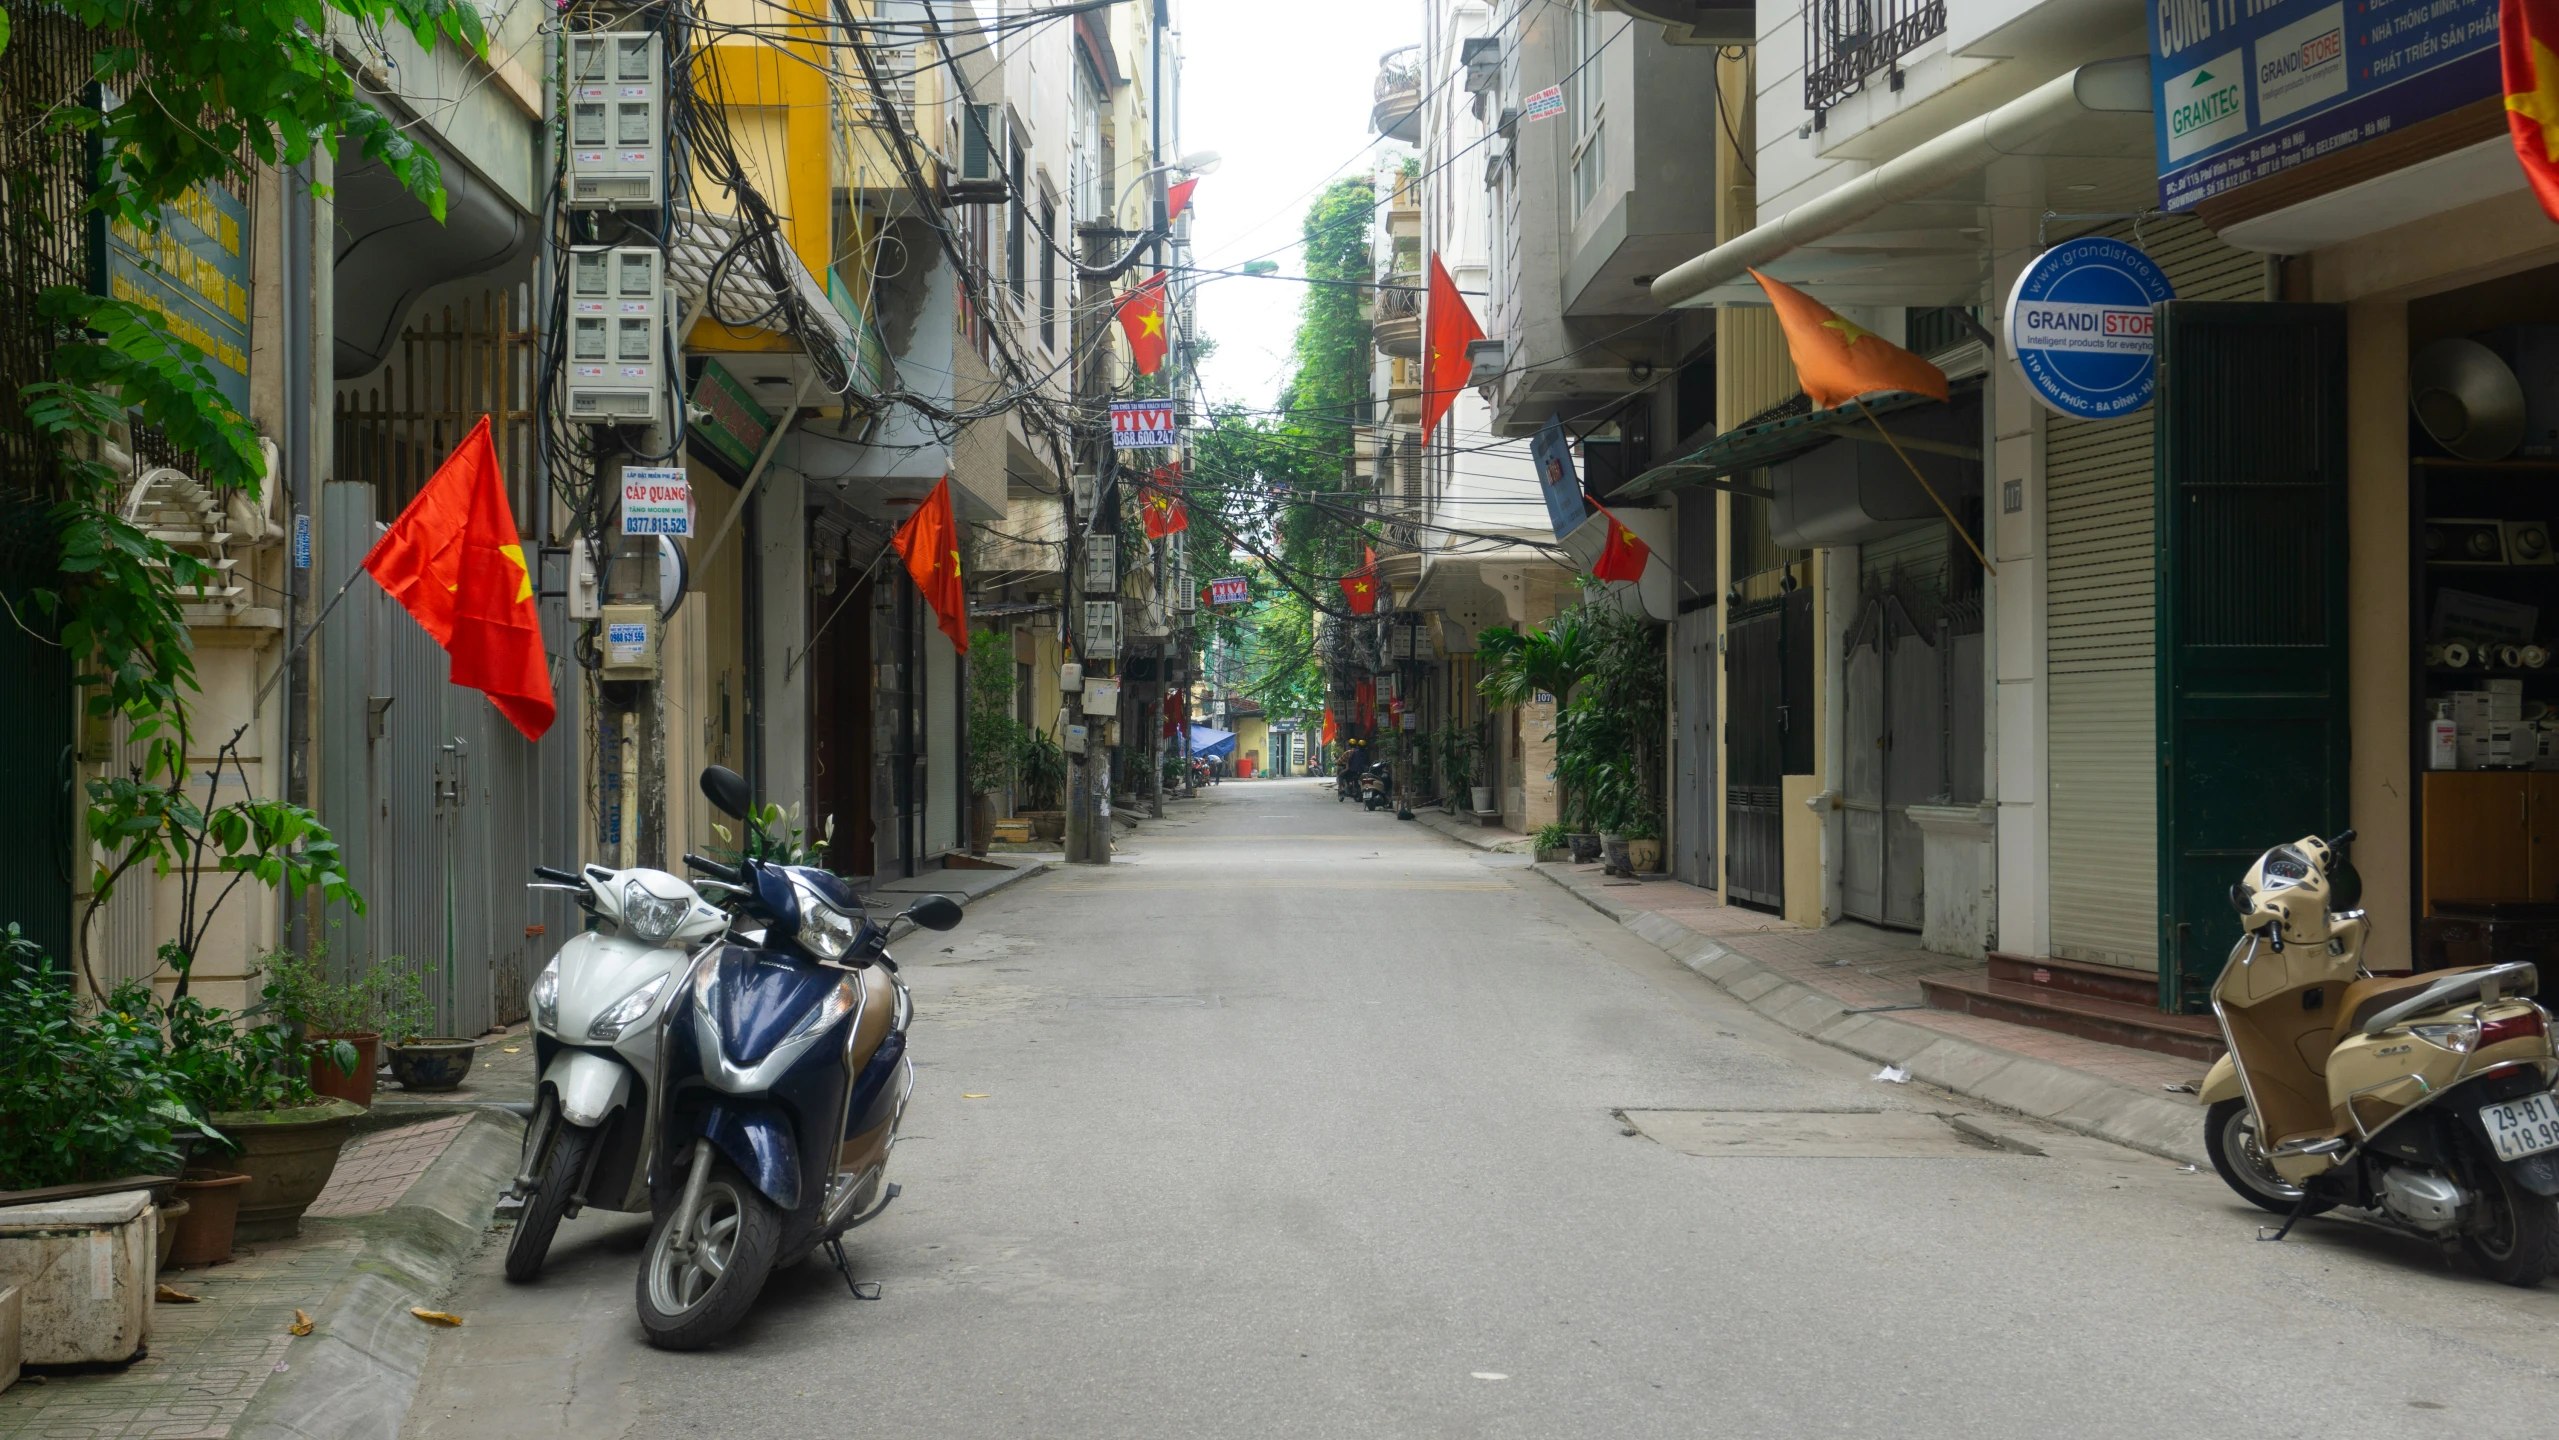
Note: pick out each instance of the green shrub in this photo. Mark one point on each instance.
(88, 1094)
(387, 999)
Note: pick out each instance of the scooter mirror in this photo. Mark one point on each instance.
(726, 790)
(935, 912)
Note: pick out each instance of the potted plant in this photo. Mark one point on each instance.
(995, 737)
(249, 1075)
(1551, 843)
(89, 1092)
(1040, 769)
(355, 1012)
(1643, 847)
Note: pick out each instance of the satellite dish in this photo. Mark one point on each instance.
(2467, 399)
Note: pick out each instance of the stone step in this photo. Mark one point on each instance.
(2090, 1017)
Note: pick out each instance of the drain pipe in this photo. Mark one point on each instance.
(295, 201)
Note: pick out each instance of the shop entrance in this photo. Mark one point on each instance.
(1914, 731)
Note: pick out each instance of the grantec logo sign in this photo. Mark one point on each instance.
(2206, 106)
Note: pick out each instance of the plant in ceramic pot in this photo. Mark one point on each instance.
(250, 1076)
(353, 1013)
(89, 1092)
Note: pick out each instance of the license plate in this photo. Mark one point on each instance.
(2522, 1127)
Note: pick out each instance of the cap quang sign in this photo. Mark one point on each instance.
(656, 502)
(2250, 90)
(2079, 323)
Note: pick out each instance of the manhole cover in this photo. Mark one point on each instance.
(1807, 1134)
(1146, 1002)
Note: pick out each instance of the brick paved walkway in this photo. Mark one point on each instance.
(1863, 966)
(374, 1171)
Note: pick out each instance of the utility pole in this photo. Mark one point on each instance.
(1088, 783)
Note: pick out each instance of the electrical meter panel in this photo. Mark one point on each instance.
(616, 371)
(617, 120)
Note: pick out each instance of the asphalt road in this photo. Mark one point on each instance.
(1298, 1121)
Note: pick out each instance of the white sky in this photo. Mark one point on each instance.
(1281, 92)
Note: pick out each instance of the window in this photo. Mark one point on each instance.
(1016, 269)
(1048, 271)
(1590, 150)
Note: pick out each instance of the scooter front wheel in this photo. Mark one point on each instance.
(2516, 1240)
(2230, 1138)
(562, 1171)
(693, 1296)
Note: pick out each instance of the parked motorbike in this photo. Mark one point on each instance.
(1376, 787)
(785, 1077)
(2425, 1099)
(595, 1045)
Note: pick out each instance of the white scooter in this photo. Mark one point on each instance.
(596, 1041)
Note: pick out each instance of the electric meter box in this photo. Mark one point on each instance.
(630, 642)
(617, 120)
(616, 369)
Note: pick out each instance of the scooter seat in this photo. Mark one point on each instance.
(2367, 998)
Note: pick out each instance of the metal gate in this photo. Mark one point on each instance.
(1914, 709)
(1769, 719)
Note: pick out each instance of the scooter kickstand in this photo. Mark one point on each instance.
(2289, 1221)
(844, 1267)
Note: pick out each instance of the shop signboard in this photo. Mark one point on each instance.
(193, 271)
(1233, 590)
(1142, 425)
(656, 501)
(2079, 324)
(2248, 91)
(727, 421)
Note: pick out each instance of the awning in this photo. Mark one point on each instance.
(1918, 228)
(1208, 744)
(1770, 442)
(694, 251)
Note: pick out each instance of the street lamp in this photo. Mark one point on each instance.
(1198, 162)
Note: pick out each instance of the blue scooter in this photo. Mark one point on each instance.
(783, 1078)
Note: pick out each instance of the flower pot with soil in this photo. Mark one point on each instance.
(432, 1065)
(355, 1086)
(1482, 795)
(1644, 857)
(1585, 848)
(207, 1214)
(288, 1155)
(173, 1213)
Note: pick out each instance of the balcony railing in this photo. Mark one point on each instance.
(1847, 40)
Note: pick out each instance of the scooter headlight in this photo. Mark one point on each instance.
(826, 931)
(626, 1012)
(650, 918)
(2460, 1039)
(546, 998)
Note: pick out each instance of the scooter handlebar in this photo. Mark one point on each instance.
(563, 877)
(714, 869)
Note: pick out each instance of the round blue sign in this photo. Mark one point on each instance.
(2079, 323)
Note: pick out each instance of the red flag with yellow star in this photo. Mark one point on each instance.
(1623, 557)
(1161, 506)
(1837, 360)
(2528, 47)
(1448, 328)
(1359, 588)
(930, 543)
(453, 561)
(1141, 315)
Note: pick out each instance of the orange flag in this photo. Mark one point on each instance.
(453, 561)
(930, 543)
(1449, 327)
(1141, 315)
(1623, 557)
(2528, 48)
(1838, 360)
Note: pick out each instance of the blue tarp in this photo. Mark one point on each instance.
(1207, 744)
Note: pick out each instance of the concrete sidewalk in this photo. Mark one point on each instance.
(1856, 987)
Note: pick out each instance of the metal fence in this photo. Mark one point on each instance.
(1847, 40)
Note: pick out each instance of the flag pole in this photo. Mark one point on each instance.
(1969, 542)
(260, 699)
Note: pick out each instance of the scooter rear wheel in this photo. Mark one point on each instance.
(2517, 1240)
(689, 1300)
(562, 1170)
(2230, 1138)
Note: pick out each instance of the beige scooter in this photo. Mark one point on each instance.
(2425, 1099)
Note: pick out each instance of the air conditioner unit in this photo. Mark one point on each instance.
(1482, 58)
(617, 120)
(1489, 358)
(978, 179)
(615, 372)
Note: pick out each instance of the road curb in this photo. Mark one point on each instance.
(1471, 835)
(2053, 1093)
(352, 1378)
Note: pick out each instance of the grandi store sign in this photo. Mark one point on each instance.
(2251, 88)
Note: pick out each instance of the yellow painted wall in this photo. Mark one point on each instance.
(2377, 700)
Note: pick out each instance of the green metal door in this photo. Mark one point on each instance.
(38, 713)
(2250, 455)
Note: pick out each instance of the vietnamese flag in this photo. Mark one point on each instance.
(1448, 328)
(1623, 557)
(2528, 47)
(454, 562)
(1839, 360)
(1178, 199)
(1359, 588)
(1162, 508)
(930, 543)
(1331, 730)
(1141, 313)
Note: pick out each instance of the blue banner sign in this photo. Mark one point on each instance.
(2250, 88)
(2079, 322)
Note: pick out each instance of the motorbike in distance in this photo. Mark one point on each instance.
(2425, 1099)
(784, 1079)
(595, 1046)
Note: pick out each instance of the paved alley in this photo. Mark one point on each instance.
(1299, 1121)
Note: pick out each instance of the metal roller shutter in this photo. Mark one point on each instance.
(2100, 662)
